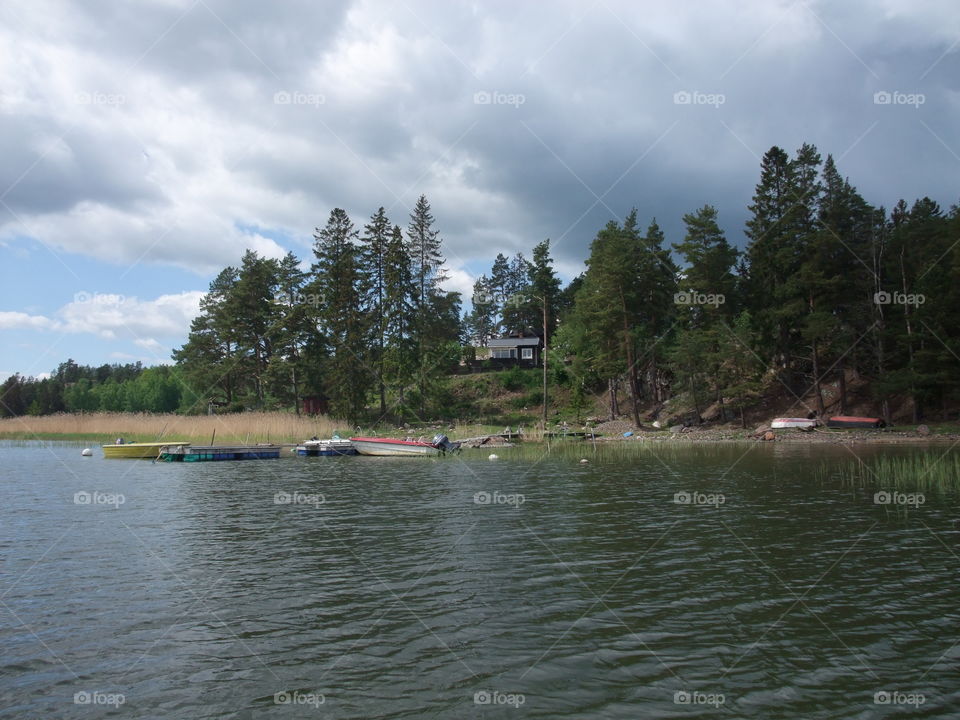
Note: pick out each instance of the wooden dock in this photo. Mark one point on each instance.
(211, 453)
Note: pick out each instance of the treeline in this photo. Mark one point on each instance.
(109, 388)
(828, 287)
(368, 321)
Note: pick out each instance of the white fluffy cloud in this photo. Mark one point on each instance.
(111, 316)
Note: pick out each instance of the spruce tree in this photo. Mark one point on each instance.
(339, 282)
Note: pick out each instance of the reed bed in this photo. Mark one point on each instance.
(666, 451)
(920, 470)
(248, 427)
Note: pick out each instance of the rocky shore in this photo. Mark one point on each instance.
(624, 431)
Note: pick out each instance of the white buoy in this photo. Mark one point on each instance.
(493, 456)
(584, 461)
(86, 452)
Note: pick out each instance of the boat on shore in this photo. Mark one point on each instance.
(392, 447)
(851, 421)
(326, 448)
(138, 450)
(210, 453)
(788, 422)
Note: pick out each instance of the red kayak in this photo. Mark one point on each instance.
(851, 421)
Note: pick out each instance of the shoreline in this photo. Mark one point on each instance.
(692, 435)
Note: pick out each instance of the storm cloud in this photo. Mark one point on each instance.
(184, 131)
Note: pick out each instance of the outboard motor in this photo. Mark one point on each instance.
(443, 442)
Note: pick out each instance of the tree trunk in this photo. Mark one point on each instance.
(614, 407)
(693, 394)
(296, 391)
(631, 362)
(842, 388)
(906, 316)
(815, 357)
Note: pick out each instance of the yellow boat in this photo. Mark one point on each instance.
(138, 450)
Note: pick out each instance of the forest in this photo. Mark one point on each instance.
(828, 287)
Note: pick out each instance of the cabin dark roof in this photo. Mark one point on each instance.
(514, 342)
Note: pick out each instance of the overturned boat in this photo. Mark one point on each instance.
(852, 421)
(800, 423)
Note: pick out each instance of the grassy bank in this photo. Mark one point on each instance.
(248, 427)
(233, 428)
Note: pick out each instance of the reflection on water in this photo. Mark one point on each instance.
(685, 583)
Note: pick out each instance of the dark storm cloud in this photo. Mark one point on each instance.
(520, 121)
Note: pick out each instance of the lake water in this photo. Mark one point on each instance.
(469, 588)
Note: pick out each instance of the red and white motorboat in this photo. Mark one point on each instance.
(440, 445)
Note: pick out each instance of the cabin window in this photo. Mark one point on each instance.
(504, 353)
(526, 353)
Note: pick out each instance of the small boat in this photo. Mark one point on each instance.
(440, 445)
(784, 423)
(850, 421)
(208, 453)
(137, 450)
(326, 448)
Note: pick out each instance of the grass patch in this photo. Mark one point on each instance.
(920, 470)
(198, 429)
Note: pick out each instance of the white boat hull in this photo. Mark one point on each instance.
(784, 423)
(371, 447)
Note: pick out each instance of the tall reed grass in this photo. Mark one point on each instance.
(654, 451)
(919, 470)
(250, 427)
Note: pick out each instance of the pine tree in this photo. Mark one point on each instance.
(399, 300)
(426, 266)
(499, 285)
(544, 289)
(515, 305)
(339, 282)
(373, 258)
(481, 324)
(209, 357)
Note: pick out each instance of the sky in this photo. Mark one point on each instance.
(146, 145)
